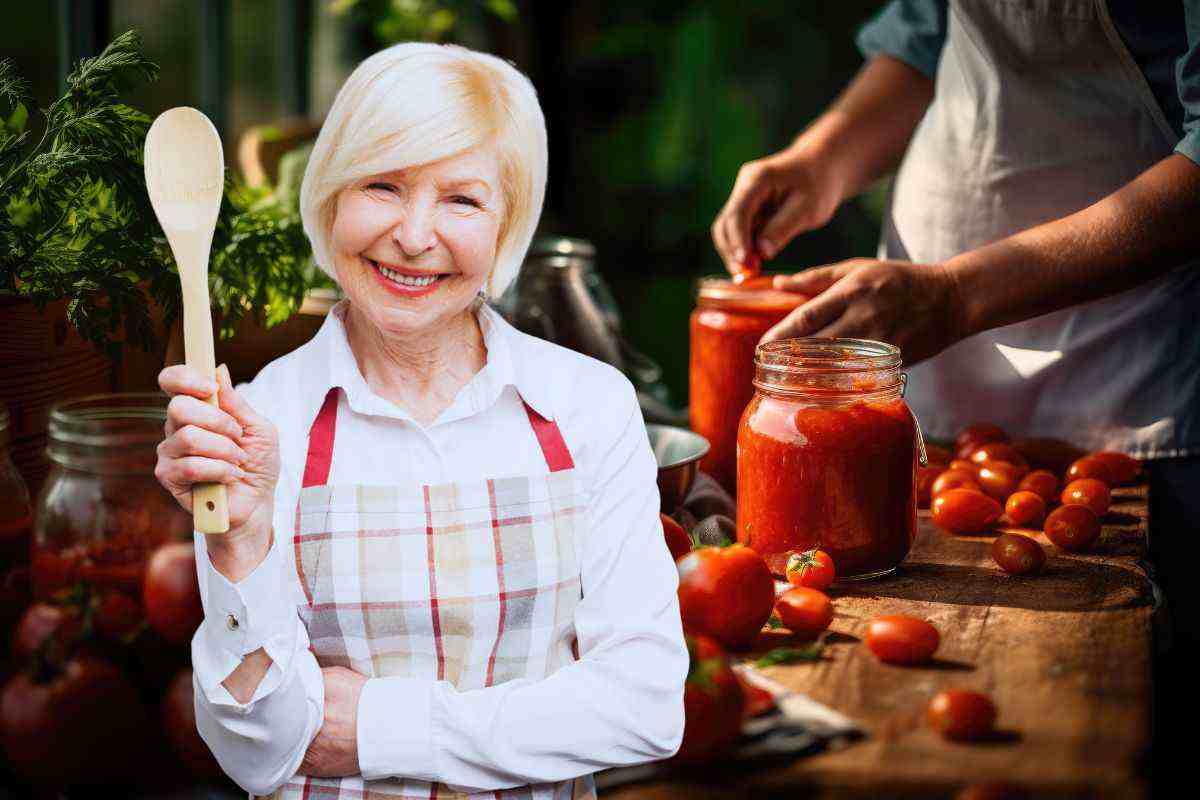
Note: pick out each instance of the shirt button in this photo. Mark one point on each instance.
(231, 622)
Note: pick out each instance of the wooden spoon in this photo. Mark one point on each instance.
(185, 177)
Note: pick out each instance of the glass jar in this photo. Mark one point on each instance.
(827, 456)
(16, 512)
(726, 325)
(102, 511)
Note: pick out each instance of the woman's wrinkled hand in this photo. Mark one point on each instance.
(231, 444)
(334, 751)
(913, 306)
(774, 199)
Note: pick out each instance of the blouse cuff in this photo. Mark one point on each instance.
(395, 729)
(1189, 146)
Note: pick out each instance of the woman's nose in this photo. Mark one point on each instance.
(415, 233)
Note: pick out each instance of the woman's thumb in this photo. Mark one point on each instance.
(231, 402)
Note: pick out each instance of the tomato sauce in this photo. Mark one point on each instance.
(726, 325)
(828, 459)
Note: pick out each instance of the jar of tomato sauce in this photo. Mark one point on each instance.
(827, 456)
(101, 511)
(726, 325)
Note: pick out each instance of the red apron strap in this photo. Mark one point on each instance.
(554, 448)
(320, 442)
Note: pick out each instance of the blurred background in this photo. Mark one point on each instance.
(651, 106)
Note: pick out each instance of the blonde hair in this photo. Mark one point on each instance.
(415, 103)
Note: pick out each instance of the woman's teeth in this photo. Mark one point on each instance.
(407, 280)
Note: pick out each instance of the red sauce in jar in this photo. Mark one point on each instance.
(827, 457)
(726, 325)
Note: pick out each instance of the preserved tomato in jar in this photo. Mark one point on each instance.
(827, 456)
(102, 512)
(726, 325)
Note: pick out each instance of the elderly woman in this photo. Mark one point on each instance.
(445, 571)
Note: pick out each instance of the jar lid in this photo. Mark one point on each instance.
(562, 246)
(752, 294)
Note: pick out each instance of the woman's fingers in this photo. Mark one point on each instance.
(182, 379)
(186, 410)
(791, 218)
(813, 280)
(179, 475)
(192, 440)
(233, 403)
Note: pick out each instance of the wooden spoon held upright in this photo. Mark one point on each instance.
(185, 177)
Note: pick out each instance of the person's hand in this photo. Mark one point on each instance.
(232, 444)
(774, 199)
(913, 306)
(334, 751)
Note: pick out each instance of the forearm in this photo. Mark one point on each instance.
(1143, 230)
(864, 134)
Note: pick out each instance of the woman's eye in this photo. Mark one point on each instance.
(464, 200)
(385, 186)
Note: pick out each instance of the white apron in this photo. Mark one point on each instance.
(1039, 111)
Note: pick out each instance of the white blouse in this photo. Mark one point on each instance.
(621, 703)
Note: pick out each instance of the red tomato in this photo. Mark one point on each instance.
(1073, 528)
(42, 622)
(1092, 467)
(955, 479)
(963, 464)
(179, 726)
(757, 700)
(677, 539)
(965, 511)
(900, 639)
(980, 433)
(1090, 492)
(805, 612)
(171, 592)
(116, 615)
(1121, 467)
(726, 593)
(713, 703)
(937, 455)
(1017, 554)
(998, 451)
(962, 715)
(1042, 483)
(925, 478)
(999, 479)
(1025, 509)
(812, 568)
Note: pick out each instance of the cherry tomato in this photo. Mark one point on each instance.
(805, 612)
(171, 592)
(901, 639)
(47, 625)
(954, 479)
(1073, 528)
(999, 479)
(962, 715)
(963, 464)
(1090, 492)
(677, 539)
(965, 511)
(925, 478)
(726, 593)
(998, 451)
(974, 435)
(713, 702)
(1042, 483)
(1025, 509)
(1123, 468)
(812, 568)
(115, 614)
(1017, 554)
(937, 455)
(1092, 467)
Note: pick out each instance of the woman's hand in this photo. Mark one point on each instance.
(774, 199)
(913, 306)
(232, 444)
(334, 751)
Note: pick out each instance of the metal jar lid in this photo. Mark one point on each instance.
(561, 249)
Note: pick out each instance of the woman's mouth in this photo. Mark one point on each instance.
(406, 284)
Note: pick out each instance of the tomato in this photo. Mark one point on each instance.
(965, 511)
(726, 593)
(1042, 483)
(757, 700)
(955, 479)
(677, 539)
(963, 464)
(937, 455)
(1073, 528)
(974, 435)
(171, 592)
(1092, 467)
(962, 715)
(998, 451)
(1018, 555)
(1122, 468)
(993, 790)
(179, 726)
(805, 612)
(1090, 492)
(42, 622)
(901, 639)
(999, 479)
(812, 568)
(82, 722)
(1025, 509)
(713, 703)
(116, 615)
(925, 478)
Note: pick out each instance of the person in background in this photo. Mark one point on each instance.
(1037, 259)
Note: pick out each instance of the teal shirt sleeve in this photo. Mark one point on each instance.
(1187, 83)
(912, 31)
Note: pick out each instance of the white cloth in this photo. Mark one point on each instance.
(621, 704)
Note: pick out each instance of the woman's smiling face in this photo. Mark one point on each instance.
(413, 247)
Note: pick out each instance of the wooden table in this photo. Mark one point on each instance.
(1065, 655)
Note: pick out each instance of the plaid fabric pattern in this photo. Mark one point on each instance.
(472, 583)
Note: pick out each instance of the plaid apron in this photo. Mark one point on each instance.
(475, 583)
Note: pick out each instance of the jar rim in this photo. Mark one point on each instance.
(107, 420)
(756, 292)
(816, 354)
